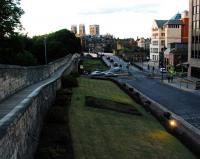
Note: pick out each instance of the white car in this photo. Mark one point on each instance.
(163, 70)
(97, 73)
(116, 69)
(110, 74)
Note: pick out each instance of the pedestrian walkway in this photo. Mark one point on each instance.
(16, 101)
(181, 84)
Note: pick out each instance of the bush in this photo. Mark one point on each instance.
(26, 59)
(64, 92)
(56, 115)
(75, 74)
(69, 81)
(62, 100)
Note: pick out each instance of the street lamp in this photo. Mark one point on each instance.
(45, 50)
(162, 74)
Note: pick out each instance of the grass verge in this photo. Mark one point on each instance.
(94, 65)
(103, 134)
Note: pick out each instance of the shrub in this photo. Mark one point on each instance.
(62, 100)
(75, 74)
(64, 92)
(69, 81)
(56, 115)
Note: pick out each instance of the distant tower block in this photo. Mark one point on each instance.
(74, 29)
(94, 30)
(81, 30)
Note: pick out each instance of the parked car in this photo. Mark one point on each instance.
(116, 69)
(163, 70)
(115, 64)
(110, 74)
(108, 58)
(111, 60)
(97, 73)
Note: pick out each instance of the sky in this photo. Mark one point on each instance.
(121, 18)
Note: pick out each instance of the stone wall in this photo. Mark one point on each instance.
(15, 78)
(20, 129)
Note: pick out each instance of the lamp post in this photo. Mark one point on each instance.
(45, 50)
(162, 74)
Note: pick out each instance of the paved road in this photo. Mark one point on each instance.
(184, 104)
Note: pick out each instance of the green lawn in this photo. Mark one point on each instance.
(103, 134)
(94, 65)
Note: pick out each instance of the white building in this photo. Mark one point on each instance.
(144, 43)
(157, 39)
(165, 32)
(141, 43)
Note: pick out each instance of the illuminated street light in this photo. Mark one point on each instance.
(172, 123)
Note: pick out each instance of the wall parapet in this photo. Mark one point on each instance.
(14, 78)
(21, 127)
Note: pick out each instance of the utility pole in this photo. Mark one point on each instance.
(45, 50)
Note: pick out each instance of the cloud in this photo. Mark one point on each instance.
(139, 8)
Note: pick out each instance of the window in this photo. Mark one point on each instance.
(194, 10)
(163, 42)
(198, 54)
(155, 50)
(197, 9)
(194, 25)
(155, 43)
(197, 24)
(192, 55)
(162, 34)
(195, 72)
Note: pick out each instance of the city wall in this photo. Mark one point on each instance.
(15, 78)
(20, 129)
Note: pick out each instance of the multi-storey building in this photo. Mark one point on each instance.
(194, 39)
(157, 39)
(74, 29)
(144, 43)
(165, 32)
(81, 30)
(173, 30)
(176, 35)
(94, 30)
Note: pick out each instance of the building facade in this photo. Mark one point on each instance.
(74, 29)
(94, 30)
(185, 26)
(144, 43)
(157, 39)
(165, 32)
(194, 39)
(176, 54)
(81, 30)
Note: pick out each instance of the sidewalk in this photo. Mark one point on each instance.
(144, 65)
(177, 83)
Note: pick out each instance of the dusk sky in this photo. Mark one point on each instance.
(122, 18)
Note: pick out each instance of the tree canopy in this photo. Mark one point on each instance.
(10, 13)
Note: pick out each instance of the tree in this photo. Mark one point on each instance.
(58, 44)
(10, 13)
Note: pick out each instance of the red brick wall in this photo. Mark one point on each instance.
(185, 30)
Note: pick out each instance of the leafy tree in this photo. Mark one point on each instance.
(13, 51)
(10, 13)
(58, 44)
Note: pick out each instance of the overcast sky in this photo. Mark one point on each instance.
(122, 18)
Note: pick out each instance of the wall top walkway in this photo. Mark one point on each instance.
(14, 106)
(14, 78)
